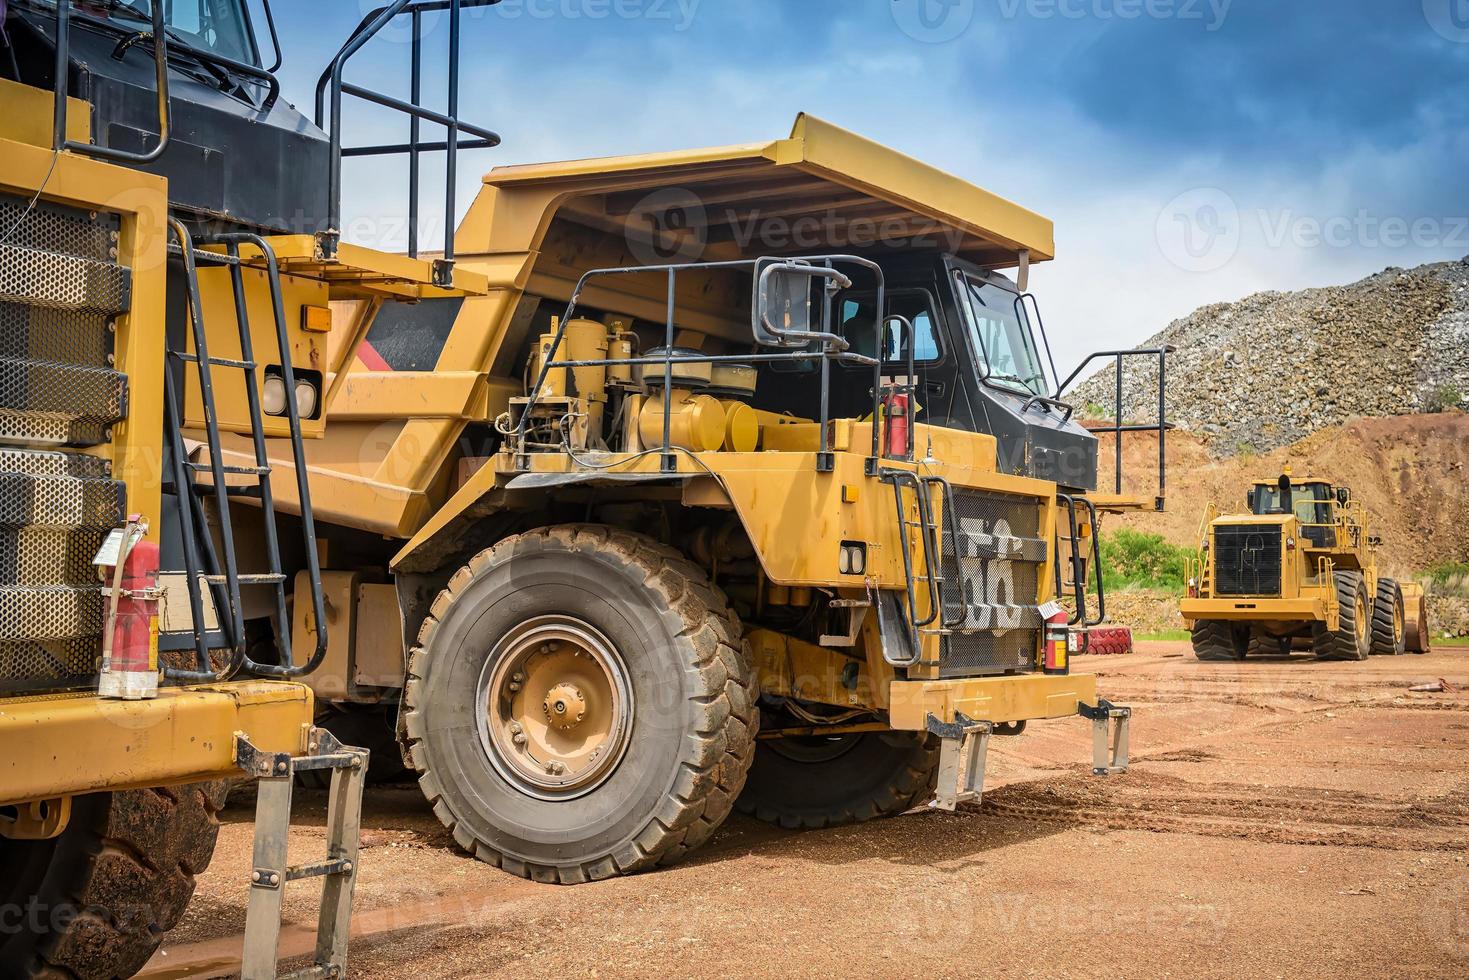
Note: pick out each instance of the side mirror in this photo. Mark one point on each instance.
(783, 314)
(1343, 495)
(1250, 499)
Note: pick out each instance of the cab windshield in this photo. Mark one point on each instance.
(220, 26)
(1002, 336)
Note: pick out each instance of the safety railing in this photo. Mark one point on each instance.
(824, 345)
(331, 88)
(1118, 427)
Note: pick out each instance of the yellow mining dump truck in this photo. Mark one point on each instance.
(169, 254)
(746, 484)
(1298, 571)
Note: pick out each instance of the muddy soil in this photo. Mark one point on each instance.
(1281, 817)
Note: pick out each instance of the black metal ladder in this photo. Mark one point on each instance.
(219, 568)
(1082, 565)
(932, 529)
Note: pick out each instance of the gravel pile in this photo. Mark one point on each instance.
(1275, 367)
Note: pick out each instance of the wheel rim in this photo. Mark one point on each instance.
(555, 707)
(1399, 630)
(1362, 624)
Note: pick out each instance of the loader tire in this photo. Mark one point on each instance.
(1262, 644)
(1389, 632)
(1216, 640)
(1352, 639)
(580, 704)
(95, 902)
(839, 779)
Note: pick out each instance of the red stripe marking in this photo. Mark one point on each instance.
(371, 359)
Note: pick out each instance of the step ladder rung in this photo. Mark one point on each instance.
(266, 578)
(230, 470)
(228, 362)
(318, 869)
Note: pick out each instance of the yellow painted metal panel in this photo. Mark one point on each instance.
(56, 745)
(1254, 609)
(28, 115)
(997, 699)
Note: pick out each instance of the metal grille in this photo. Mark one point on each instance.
(59, 285)
(29, 275)
(65, 404)
(992, 584)
(33, 333)
(1247, 559)
(56, 228)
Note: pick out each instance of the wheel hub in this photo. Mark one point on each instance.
(565, 706)
(556, 707)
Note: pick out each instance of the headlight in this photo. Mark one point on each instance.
(273, 395)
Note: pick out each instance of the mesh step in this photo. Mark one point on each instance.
(60, 502)
(68, 282)
(57, 612)
(66, 404)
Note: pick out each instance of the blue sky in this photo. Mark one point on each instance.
(1189, 151)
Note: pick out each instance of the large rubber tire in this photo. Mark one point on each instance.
(1389, 635)
(693, 689)
(96, 901)
(1352, 639)
(1262, 644)
(840, 779)
(1217, 640)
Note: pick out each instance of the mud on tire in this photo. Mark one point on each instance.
(693, 691)
(841, 779)
(97, 900)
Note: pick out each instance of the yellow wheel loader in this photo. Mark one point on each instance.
(1298, 571)
(169, 256)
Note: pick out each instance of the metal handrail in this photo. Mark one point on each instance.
(330, 88)
(669, 462)
(59, 140)
(1117, 428)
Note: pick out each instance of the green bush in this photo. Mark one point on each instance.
(1444, 398)
(1136, 559)
(1448, 578)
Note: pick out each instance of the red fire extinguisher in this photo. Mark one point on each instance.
(895, 413)
(1055, 659)
(130, 643)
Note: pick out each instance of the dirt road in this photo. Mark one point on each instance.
(1281, 817)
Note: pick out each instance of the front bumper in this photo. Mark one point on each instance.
(992, 699)
(1254, 610)
(59, 745)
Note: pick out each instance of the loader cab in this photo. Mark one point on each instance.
(1312, 503)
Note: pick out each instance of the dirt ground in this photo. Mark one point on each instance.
(1280, 817)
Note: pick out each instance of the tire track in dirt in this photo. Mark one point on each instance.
(1158, 803)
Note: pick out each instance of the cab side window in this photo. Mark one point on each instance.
(856, 315)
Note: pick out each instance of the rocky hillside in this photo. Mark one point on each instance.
(1274, 367)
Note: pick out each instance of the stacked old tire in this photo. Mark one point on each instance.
(1108, 640)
